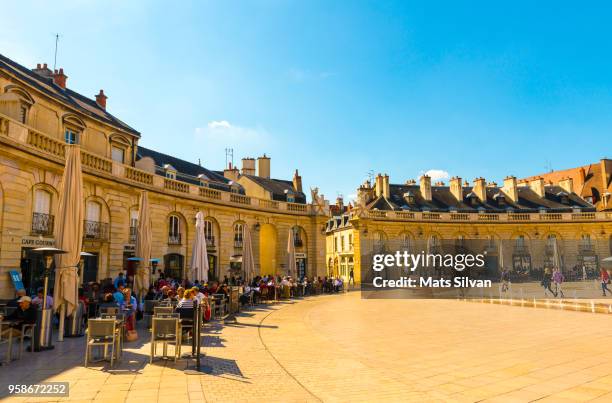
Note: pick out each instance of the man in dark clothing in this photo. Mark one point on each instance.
(24, 314)
(14, 303)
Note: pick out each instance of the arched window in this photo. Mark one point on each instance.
(586, 244)
(73, 128)
(42, 220)
(209, 232)
(94, 227)
(238, 234)
(133, 224)
(174, 230)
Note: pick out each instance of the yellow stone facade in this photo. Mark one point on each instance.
(585, 238)
(32, 129)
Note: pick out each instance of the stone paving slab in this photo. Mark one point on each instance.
(343, 348)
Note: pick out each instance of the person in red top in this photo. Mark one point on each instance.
(605, 280)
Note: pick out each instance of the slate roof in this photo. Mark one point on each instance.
(279, 188)
(185, 171)
(443, 200)
(80, 102)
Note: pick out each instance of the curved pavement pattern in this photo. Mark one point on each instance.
(343, 348)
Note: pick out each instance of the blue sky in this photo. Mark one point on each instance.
(339, 88)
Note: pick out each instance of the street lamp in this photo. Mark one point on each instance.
(43, 320)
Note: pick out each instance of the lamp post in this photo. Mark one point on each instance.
(42, 341)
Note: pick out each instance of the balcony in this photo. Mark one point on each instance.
(298, 243)
(586, 248)
(238, 243)
(174, 239)
(210, 241)
(42, 224)
(133, 232)
(95, 230)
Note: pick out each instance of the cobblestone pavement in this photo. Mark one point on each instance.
(343, 348)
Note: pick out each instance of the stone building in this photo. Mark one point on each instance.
(39, 114)
(529, 217)
(593, 182)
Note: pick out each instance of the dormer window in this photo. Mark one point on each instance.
(563, 197)
(500, 198)
(204, 181)
(170, 171)
(290, 196)
(409, 196)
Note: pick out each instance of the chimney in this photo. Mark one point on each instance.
(385, 186)
(297, 182)
(567, 184)
(456, 188)
(510, 188)
(379, 185)
(101, 99)
(248, 166)
(425, 187)
(231, 173)
(340, 203)
(43, 70)
(537, 185)
(60, 78)
(480, 189)
(263, 167)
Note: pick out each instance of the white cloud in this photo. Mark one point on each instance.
(217, 124)
(436, 174)
(220, 134)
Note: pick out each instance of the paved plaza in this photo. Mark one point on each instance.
(343, 348)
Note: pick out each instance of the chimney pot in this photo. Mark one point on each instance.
(101, 99)
(59, 78)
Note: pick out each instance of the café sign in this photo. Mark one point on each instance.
(36, 242)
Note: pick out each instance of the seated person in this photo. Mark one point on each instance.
(187, 301)
(151, 294)
(118, 295)
(38, 300)
(14, 303)
(109, 301)
(24, 314)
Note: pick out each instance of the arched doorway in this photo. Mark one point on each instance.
(267, 250)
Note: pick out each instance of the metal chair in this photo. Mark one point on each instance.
(162, 310)
(165, 330)
(24, 329)
(109, 310)
(102, 332)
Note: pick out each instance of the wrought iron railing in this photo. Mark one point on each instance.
(95, 230)
(133, 232)
(174, 239)
(238, 243)
(42, 224)
(210, 240)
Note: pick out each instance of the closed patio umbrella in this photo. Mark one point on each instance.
(248, 262)
(291, 266)
(501, 255)
(68, 236)
(199, 255)
(556, 256)
(143, 246)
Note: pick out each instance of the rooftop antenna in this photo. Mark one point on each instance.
(370, 174)
(55, 58)
(229, 156)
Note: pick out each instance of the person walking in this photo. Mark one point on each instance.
(605, 280)
(546, 282)
(557, 278)
(351, 277)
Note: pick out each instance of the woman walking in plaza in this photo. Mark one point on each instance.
(558, 278)
(605, 280)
